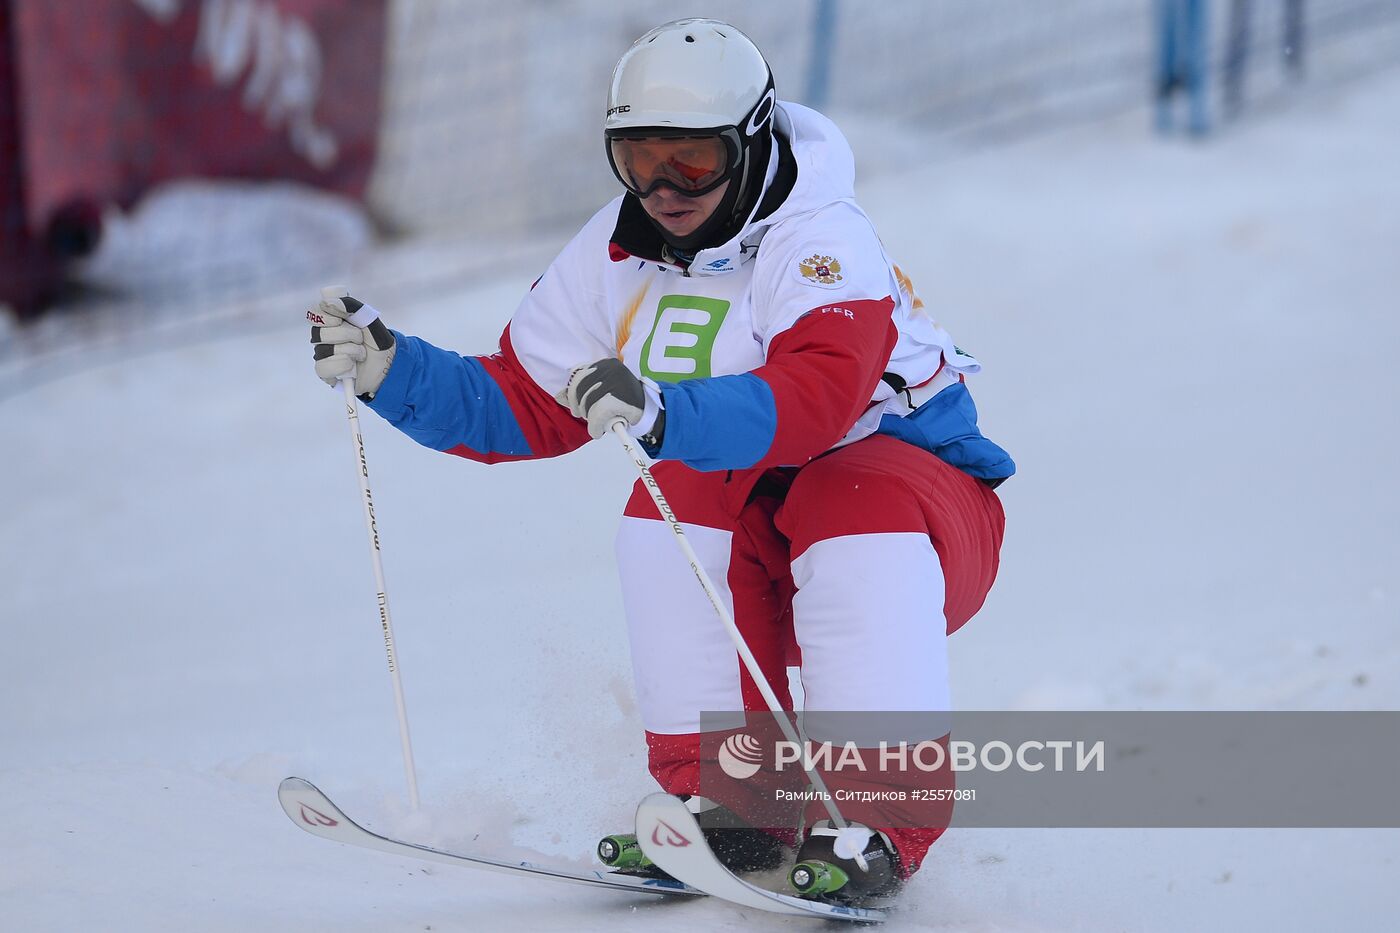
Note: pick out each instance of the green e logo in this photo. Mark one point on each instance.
(683, 337)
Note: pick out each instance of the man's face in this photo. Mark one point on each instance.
(679, 214)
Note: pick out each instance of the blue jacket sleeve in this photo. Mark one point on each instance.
(483, 408)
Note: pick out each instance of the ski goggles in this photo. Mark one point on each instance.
(691, 164)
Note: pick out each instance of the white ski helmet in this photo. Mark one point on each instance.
(694, 79)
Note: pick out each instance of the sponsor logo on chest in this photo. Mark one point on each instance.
(682, 338)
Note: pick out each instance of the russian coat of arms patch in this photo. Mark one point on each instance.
(820, 270)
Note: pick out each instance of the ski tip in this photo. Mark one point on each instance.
(660, 801)
(310, 809)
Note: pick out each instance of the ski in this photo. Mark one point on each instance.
(671, 838)
(313, 811)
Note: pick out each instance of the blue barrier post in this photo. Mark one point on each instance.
(1237, 55)
(1197, 31)
(1293, 15)
(819, 67)
(1182, 40)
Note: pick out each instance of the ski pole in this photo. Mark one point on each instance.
(352, 411)
(619, 428)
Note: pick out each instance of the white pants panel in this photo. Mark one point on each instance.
(868, 616)
(683, 661)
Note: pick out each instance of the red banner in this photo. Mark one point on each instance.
(110, 97)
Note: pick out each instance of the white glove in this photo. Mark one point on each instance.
(350, 340)
(606, 391)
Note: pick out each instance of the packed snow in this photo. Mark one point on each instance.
(1190, 349)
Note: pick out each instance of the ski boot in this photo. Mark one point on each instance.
(828, 869)
(738, 846)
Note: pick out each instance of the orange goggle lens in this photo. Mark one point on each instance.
(690, 164)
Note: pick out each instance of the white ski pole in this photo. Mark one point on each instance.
(619, 428)
(352, 411)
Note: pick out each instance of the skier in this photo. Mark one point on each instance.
(810, 420)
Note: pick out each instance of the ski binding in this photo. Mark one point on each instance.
(671, 838)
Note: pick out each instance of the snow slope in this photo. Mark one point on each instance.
(1189, 350)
